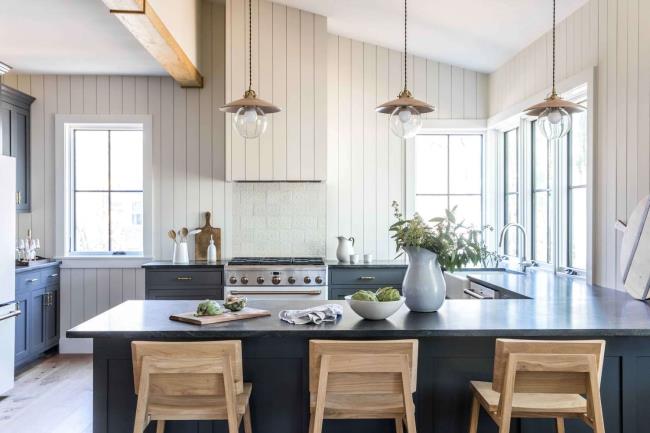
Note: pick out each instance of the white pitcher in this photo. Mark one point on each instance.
(345, 248)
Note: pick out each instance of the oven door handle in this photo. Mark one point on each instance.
(275, 292)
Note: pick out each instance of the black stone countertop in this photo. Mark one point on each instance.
(21, 269)
(561, 307)
(167, 264)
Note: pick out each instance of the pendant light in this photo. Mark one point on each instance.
(405, 111)
(250, 112)
(554, 114)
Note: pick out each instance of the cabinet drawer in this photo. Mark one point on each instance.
(29, 280)
(368, 276)
(51, 276)
(188, 294)
(189, 278)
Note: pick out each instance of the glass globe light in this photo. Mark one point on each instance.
(250, 121)
(405, 121)
(554, 123)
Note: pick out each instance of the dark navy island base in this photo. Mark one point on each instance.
(456, 346)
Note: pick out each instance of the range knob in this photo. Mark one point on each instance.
(307, 279)
(244, 280)
(260, 280)
(319, 280)
(233, 280)
(276, 280)
(291, 280)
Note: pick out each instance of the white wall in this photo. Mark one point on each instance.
(614, 36)
(366, 162)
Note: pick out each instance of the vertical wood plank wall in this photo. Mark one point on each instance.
(365, 161)
(614, 36)
(289, 51)
(188, 161)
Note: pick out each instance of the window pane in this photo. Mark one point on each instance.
(541, 227)
(469, 209)
(91, 160)
(465, 164)
(540, 160)
(430, 206)
(126, 160)
(91, 221)
(578, 151)
(511, 168)
(431, 164)
(578, 228)
(126, 221)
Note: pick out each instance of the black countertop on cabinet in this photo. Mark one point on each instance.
(197, 264)
(21, 269)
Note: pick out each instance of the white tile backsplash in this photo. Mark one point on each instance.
(279, 219)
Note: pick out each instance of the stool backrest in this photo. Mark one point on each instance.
(363, 367)
(193, 373)
(545, 366)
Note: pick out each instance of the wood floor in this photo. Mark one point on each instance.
(54, 396)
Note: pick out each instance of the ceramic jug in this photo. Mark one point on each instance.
(345, 248)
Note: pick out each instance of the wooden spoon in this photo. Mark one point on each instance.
(172, 235)
(184, 233)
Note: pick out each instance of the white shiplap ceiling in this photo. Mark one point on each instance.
(475, 34)
(69, 37)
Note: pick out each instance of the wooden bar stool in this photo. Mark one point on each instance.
(542, 379)
(190, 381)
(362, 380)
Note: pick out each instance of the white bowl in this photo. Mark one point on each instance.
(374, 310)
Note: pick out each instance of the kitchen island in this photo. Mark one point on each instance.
(456, 346)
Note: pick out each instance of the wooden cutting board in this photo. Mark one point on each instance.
(246, 313)
(202, 239)
(635, 252)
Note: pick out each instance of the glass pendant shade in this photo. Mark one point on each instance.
(405, 122)
(554, 123)
(250, 122)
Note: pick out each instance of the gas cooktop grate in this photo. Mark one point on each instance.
(276, 261)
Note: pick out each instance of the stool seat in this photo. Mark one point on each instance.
(362, 406)
(198, 407)
(538, 403)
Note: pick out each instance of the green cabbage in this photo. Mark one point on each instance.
(387, 294)
(209, 308)
(364, 295)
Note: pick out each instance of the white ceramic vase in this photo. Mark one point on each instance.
(424, 285)
(181, 256)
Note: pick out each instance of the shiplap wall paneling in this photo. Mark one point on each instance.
(365, 160)
(289, 51)
(613, 36)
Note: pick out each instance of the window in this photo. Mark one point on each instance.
(576, 144)
(511, 189)
(542, 196)
(106, 195)
(449, 173)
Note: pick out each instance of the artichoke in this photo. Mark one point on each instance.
(387, 294)
(235, 303)
(209, 308)
(364, 295)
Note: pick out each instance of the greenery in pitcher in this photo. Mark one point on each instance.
(455, 243)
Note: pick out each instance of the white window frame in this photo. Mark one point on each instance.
(65, 125)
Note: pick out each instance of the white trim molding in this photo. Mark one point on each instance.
(64, 124)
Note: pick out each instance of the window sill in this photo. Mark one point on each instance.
(97, 262)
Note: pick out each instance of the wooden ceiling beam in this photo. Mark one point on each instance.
(143, 22)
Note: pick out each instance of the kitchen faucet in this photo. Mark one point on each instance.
(523, 264)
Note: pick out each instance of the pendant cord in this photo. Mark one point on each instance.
(405, 41)
(553, 75)
(250, 50)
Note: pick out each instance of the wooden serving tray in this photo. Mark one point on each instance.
(246, 313)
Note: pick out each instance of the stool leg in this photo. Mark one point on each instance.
(160, 426)
(559, 425)
(473, 420)
(399, 425)
(247, 420)
(311, 422)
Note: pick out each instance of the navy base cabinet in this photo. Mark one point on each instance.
(345, 280)
(184, 284)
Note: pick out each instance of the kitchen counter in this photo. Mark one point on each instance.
(456, 345)
(21, 269)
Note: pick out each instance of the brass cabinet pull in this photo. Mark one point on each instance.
(366, 278)
(18, 197)
(32, 280)
(181, 278)
(53, 275)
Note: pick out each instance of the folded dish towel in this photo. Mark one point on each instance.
(315, 315)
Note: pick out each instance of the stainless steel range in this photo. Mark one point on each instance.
(276, 278)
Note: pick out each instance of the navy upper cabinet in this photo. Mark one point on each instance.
(15, 140)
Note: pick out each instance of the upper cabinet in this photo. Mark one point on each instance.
(14, 139)
(289, 60)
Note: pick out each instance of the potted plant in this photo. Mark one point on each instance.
(442, 244)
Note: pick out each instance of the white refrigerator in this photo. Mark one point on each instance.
(8, 307)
